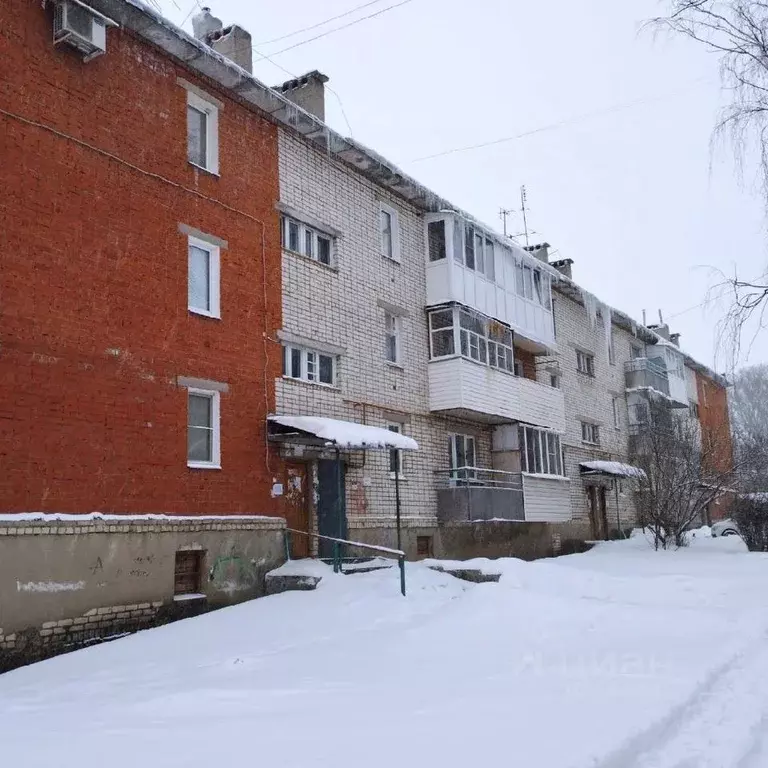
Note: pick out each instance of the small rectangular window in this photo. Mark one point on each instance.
(308, 365)
(469, 247)
(389, 231)
(528, 282)
(479, 253)
(391, 338)
(324, 249)
(202, 133)
(585, 363)
(554, 381)
(635, 351)
(188, 572)
(395, 456)
(441, 333)
(203, 429)
(309, 243)
(590, 433)
(490, 260)
(203, 278)
(436, 240)
(424, 546)
(197, 150)
(617, 412)
(293, 235)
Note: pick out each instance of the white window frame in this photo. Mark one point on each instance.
(398, 428)
(214, 276)
(467, 472)
(309, 365)
(392, 329)
(211, 112)
(307, 233)
(215, 397)
(395, 233)
(540, 441)
(590, 433)
(585, 363)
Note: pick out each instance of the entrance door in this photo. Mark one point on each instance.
(597, 511)
(297, 507)
(331, 504)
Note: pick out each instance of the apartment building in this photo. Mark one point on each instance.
(206, 291)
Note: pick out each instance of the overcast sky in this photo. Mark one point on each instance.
(633, 195)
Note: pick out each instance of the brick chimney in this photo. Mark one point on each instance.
(307, 91)
(233, 41)
(563, 266)
(540, 251)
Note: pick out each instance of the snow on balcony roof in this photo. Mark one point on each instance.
(614, 468)
(346, 434)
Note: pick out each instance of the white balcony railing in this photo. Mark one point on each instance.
(465, 388)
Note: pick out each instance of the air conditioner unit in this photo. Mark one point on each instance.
(80, 26)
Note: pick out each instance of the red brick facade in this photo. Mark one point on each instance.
(94, 325)
(716, 431)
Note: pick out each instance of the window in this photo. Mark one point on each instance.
(590, 433)
(202, 133)
(469, 246)
(585, 363)
(395, 455)
(480, 339)
(203, 429)
(694, 408)
(391, 338)
(554, 381)
(500, 348)
(188, 572)
(309, 365)
(305, 240)
(617, 412)
(490, 260)
(436, 240)
(519, 368)
(472, 336)
(389, 232)
(635, 351)
(203, 278)
(540, 452)
(441, 333)
(424, 546)
(462, 457)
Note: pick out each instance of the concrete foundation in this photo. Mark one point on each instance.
(67, 583)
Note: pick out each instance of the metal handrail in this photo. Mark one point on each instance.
(480, 477)
(337, 551)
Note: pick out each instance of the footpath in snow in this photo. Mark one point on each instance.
(618, 658)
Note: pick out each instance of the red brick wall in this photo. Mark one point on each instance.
(94, 326)
(716, 431)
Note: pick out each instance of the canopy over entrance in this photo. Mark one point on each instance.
(612, 468)
(321, 431)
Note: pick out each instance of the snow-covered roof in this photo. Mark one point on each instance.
(615, 468)
(346, 434)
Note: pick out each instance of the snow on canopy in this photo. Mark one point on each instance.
(613, 468)
(347, 434)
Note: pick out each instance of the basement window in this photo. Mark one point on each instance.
(188, 572)
(424, 546)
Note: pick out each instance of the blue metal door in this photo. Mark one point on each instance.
(331, 504)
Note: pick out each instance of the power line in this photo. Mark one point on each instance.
(343, 26)
(320, 23)
(561, 123)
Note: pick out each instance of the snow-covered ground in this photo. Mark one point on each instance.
(618, 658)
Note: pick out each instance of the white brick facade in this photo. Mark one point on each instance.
(342, 306)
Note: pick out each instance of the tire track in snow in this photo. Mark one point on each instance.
(721, 724)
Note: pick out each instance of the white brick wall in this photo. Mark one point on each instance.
(591, 399)
(340, 307)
